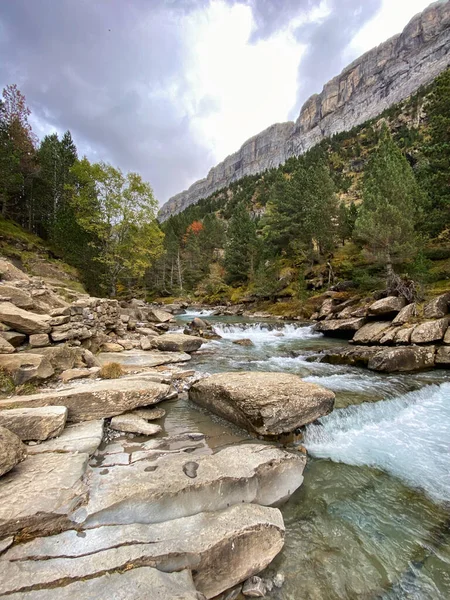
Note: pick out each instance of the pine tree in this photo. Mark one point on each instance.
(240, 246)
(390, 208)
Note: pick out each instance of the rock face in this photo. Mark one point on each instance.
(12, 451)
(223, 548)
(438, 307)
(371, 333)
(35, 423)
(383, 76)
(263, 403)
(96, 400)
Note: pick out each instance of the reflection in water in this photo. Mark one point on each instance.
(359, 527)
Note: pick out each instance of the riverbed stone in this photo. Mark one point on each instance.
(254, 588)
(371, 333)
(263, 403)
(133, 423)
(72, 374)
(138, 358)
(340, 327)
(443, 356)
(223, 548)
(430, 331)
(150, 414)
(112, 347)
(82, 437)
(357, 356)
(407, 313)
(139, 492)
(157, 315)
(243, 342)
(25, 366)
(39, 493)
(136, 584)
(23, 320)
(403, 335)
(437, 307)
(96, 400)
(35, 423)
(409, 358)
(12, 451)
(177, 342)
(387, 306)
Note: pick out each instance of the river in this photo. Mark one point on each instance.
(372, 519)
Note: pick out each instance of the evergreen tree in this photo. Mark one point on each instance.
(391, 204)
(240, 246)
(346, 221)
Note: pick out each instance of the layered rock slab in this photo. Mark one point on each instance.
(35, 423)
(177, 342)
(82, 437)
(135, 584)
(41, 491)
(25, 366)
(152, 491)
(266, 404)
(95, 400)
(223, 548)
(12, 451)
(23, 320)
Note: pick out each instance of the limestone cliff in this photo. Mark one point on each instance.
(383, 76)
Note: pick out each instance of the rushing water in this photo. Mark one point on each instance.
(372, 519)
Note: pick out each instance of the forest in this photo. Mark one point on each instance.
(368, 209)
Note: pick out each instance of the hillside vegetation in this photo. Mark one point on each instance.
(366, 209)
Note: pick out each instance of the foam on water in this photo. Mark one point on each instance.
(263, 333)
(198, 313)
(408, 437)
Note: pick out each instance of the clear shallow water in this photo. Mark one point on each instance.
(372, 519)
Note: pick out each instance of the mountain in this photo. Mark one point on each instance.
(378, 79)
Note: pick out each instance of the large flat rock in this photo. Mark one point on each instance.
(40, 492)
(223, 548)
(88, 401)
(144, 358)
(409, 358)
(23, 320)
(177, 342)
(263, 403)
(82, 437)
(137, 584)
(371, 333)
(26, 366)
(340, 327)
(170, 487)
(35, 423)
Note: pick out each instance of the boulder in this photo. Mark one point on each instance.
(438, 307)
(96, 400)
(18, 297)
(430, 331)
(25, 367)
(443, 356)
(244, 342)
(145, 343)
(82, 438)
(8, 272)
(221, 548)
(64, 357)
(39, 340)
(35, 423)
(447, 336)
(340, 327)
(371, 333)
(177, 342)
(406, 314)
(14, 337)
(136, 584)
(159, 316)
(410, 358)
(72, 374)
(6, 347)
(12, 452)
(326, 309)
(357, 356)
(150, 414)
(133, 423)
(37, 496)
(141, 493)
(145, 359)
(387, 306)
(263, 403)
(254, 588)
(112, 347)
(23, 320)
(389, 336)
(403, 335)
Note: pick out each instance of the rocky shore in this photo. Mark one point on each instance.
(97, 499)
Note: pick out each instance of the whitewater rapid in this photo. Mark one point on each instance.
(408, 437)
(265, 333)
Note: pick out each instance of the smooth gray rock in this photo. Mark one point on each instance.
(96, 400)
(177, 342)
(40, 492)
(223, 548)
(83, 437)
(387, 306)
(430, 331)
(140, 493)
(409, 358)
(133, 423)
(371, 333)
(35, 423)
(144, 583)
(263, 403)
(372, 83)
(406, 314)
(135, 358)
(438, 307)
(12, 451)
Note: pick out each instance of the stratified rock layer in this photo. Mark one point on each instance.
(378, 79)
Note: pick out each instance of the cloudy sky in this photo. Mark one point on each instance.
(169, 88)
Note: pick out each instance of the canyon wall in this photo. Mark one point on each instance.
(378, 79)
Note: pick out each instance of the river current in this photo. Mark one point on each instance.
(372, 518)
